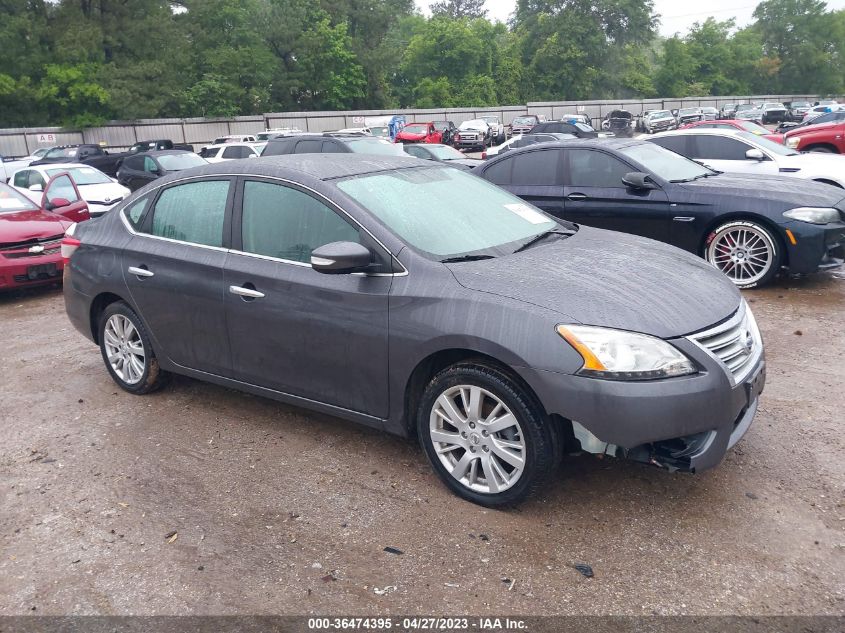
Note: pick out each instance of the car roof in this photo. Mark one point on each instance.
(588, 143)
(164, 152)
(219, 145)
(52, 166)
(711, 131)
(315, 166)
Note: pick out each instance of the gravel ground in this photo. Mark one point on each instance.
(203, 500)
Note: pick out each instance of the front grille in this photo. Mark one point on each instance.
(736, 343)
(14, 246)
(47, 251)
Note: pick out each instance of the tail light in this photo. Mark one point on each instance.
(69, 243)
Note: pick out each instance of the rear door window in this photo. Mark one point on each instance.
(536, 168)
(677, 144)
(499, 173)
(192, 212)
(718, 148)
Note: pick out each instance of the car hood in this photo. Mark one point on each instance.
(468, 162)
(610, 279)
(30, 225)
(818, 163)
(415, 136)
(102, 192)
(787, 192)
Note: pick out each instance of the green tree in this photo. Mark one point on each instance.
(459, 8)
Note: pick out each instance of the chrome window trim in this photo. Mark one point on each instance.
(128, 226)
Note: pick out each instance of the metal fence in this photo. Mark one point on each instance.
(120, 135)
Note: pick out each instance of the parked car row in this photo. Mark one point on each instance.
(616, 260)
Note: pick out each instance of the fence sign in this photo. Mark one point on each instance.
(46, 138)
(358, 119)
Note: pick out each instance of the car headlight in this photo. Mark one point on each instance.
(793, 142)
(621, 355)
(813, 215)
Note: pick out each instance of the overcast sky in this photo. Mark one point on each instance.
(676, 17)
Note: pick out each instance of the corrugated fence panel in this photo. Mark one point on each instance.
(122, 134)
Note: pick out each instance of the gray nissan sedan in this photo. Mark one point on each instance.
(420, 300)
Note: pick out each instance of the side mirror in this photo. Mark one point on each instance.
(36, 187)
(754, 154)
(340, 258)
(638, 180)
(57, 203)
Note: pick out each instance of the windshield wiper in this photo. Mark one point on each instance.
(543, 235)
(465, 258)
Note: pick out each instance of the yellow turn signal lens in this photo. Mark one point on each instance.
(591, 361)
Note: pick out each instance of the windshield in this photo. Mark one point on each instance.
(491, 120)
(82, 175)
(445, 212)
(688, 111)
(375, 146)
(524, 120)
(665, 164)
(11, 201)
(441, 125)
(744, 106)
(62, 152)
(767, 144)
(801, 104)
(379, 131)
(416, 128)
(177, 162)
(661, 114)
(444, 152)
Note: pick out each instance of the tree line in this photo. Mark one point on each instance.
(82, 62)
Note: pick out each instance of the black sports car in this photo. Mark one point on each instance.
(747, 226)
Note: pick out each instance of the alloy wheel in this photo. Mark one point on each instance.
(745, 253)
(477, 439)
(124, 348)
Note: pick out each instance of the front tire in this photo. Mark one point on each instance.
(127, 350)
(487, 439)
(747, 252)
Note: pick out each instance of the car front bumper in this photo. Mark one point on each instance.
(685, 423)
(818, 247)
(19, 269)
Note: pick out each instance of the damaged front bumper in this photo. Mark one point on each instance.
(685, 424)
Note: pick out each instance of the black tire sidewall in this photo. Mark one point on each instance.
(540, 457)
(147, 382)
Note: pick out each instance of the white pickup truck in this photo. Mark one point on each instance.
(9, 166)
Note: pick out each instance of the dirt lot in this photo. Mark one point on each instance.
(275, 510)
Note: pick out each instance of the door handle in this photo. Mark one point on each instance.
(140, 272)
(683, 218)
(576, 196)
(249, 293)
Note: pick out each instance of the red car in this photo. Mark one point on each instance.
(31, 235)
(824, 137)
(419, 133)
(737, 124)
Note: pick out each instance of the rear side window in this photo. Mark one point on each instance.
(135, 213)
(283, 222)
(718, 148)
(237, 151)
(588, 168)
(193, 212)
(536, 168)
(134, 162)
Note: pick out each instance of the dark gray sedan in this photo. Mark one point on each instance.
(421, 300)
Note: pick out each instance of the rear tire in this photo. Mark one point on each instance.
(128, 352)
(486, 438)
(821, 149)
(747, 252)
